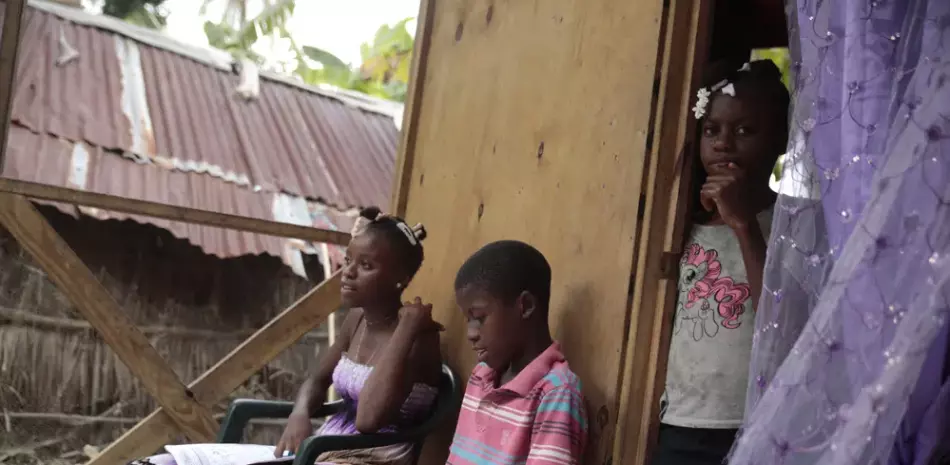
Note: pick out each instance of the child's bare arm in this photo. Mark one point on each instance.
(410, 356)
(729, 190)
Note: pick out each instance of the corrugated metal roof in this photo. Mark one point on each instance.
(153, 119)
(286, 140)
(46, 159)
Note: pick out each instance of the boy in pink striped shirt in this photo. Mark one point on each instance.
(523, 404)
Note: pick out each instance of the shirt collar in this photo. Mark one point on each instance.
(529, 377)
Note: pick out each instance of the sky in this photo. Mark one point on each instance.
(338, 26)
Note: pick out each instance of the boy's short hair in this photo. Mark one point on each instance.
(505, 269)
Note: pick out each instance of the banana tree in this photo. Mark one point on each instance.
(236, 32)
(386, 61)
(384, 71)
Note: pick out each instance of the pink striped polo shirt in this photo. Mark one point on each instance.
(536, 418)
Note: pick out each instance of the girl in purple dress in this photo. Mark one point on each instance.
(386, 363)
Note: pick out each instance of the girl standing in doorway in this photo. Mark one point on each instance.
(744, 119)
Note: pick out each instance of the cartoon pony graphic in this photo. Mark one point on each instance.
(707, 300)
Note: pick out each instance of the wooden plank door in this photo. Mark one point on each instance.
(531, 120)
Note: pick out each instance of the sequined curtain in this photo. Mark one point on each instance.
(850, 353)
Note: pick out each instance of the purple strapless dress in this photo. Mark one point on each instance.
(348, 380)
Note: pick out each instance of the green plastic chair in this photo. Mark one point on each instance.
(242, 411)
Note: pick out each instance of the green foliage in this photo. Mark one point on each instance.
(325, 58)
(782, 60)
(386, 62)
(384, 71)
(145, 13)
(236, 34)
(777, 169)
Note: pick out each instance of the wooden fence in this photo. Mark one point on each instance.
(184, 409)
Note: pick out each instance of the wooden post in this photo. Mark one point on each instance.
(411, 111)
(684, 48)
(212, 387)
(9, 49)
(331, 320)
(71, 275)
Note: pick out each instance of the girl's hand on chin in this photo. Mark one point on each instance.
(729, 194)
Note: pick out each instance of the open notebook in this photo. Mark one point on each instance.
(224, 454)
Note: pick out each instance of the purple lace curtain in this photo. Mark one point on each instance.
(850, 354)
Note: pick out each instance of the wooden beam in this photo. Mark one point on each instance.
(170, 212)
(78, 283)
(683, 50)
(158, 429)
(9, 49)
(411, 111)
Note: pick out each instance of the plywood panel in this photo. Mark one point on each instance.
(532, 124)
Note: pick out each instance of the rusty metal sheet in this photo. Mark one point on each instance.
(100, 105)
(123, 95)
(56, 161)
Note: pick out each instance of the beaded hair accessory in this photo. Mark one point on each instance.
(725, 86)
(362, 223)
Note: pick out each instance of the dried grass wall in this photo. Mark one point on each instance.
(61, 387)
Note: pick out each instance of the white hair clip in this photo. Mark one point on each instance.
(702, 99)
(724, 86)
(410, 234)
(703, 94)
(362, 223)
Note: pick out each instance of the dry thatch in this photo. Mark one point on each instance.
(58, 378)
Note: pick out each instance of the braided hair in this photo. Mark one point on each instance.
(406, 242)
(760, 80)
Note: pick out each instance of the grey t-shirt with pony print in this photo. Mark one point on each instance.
(708, 366)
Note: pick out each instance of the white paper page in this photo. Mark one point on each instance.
(221, 454)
